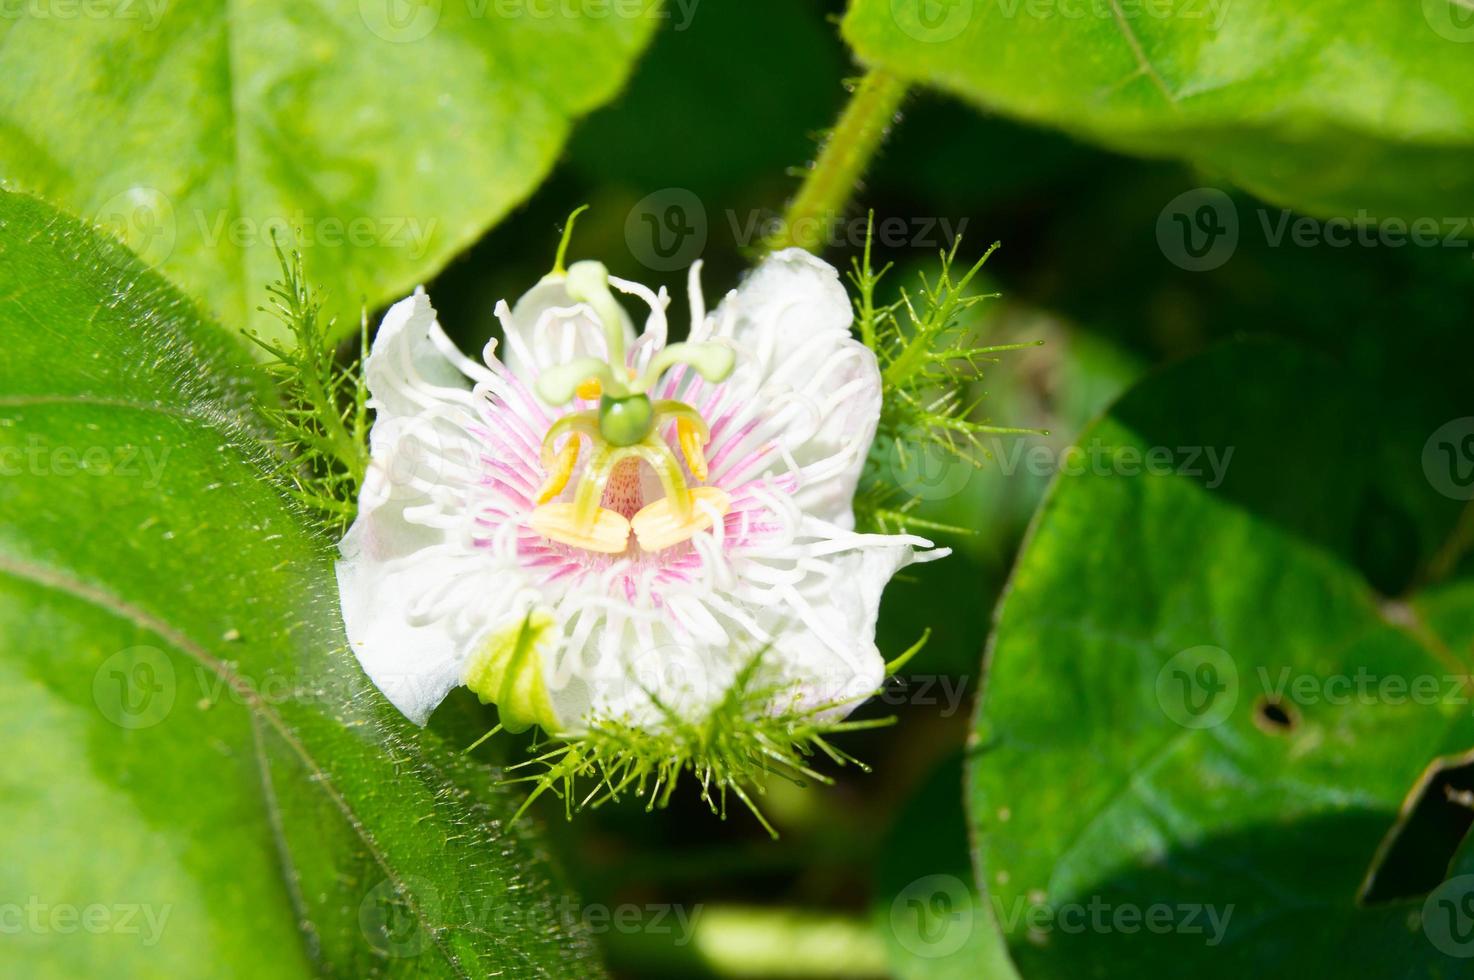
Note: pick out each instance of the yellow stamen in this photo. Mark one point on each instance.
(608, 533)
(691, 447)
(560, 471)
(658, 525)
(589, 389)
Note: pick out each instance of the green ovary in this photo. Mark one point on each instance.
(627, 420)
(508, 671)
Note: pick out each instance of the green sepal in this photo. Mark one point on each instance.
(508, 672)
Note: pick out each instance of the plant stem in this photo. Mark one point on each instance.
(737, 941)
(826, 189)
(1446, 559)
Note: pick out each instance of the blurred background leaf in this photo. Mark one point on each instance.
(387, 135)
(190, 738)
(1329, 106)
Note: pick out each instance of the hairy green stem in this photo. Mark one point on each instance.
(343, 445)
(826, 189)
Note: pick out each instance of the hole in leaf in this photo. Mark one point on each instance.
(1414, 857)
(1275, 716)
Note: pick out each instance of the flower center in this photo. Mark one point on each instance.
(623, 432)
(625, 421)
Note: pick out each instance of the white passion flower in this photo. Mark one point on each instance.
(598, 528)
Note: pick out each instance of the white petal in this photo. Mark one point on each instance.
(828, 650)
(388, 563)
(408, 363)
(547, 327)
(394, 558)
(417, 603)
(791, 321)
(615, 681)
(414, 666)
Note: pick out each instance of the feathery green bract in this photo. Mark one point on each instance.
(321, 421)
(929, 359)
(741, 743)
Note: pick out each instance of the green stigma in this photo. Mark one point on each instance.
(626, 420)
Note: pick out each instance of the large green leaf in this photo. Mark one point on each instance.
(391, 133)
(1326, 105)
(183, 720)
(1199, 717)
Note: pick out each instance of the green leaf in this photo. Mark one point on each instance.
(1328, 106)
(184, 720)
(1201, 723)
(389, 133)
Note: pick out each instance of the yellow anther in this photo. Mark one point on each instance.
(608, 534)
(659, 525)
(691, 447)
(589, 389)
(560, 471)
